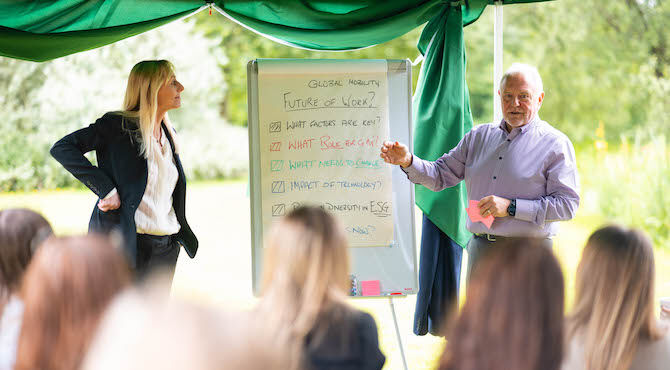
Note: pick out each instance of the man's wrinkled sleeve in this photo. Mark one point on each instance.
(562, 198)
(445, 172)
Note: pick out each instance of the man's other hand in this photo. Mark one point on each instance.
(493, 205)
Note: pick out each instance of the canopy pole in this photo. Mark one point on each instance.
(497, 59)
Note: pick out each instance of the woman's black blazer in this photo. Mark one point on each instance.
(116, 142)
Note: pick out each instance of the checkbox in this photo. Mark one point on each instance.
(275, 126)
(278, 210)
(275, 146)
(276, 165)
(278, 187)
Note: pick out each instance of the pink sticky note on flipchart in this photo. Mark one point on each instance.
(473, 212)
(371, 287)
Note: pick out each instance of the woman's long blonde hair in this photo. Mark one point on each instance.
(141, 100)
(305, 279)
(614, 305)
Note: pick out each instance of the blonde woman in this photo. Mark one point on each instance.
(139, 179)
(612, 325)
(303, 305)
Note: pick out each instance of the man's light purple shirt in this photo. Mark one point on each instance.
(534, 164)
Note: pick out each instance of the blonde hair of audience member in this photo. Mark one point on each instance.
(305, 279)
(614, 305)
(143, 330)
(513, 314)
(21, 232)
(141, 99)
(67, 286)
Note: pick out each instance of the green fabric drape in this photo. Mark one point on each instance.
(442, 116)
(45, 30)
(340, 25)
(39, 48)
(41, 30)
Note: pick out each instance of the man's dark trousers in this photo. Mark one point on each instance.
(439, 278)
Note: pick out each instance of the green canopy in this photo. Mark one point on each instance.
(43, 30)
(40, 30)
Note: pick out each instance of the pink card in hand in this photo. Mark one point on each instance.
(370, 288)
(473, 212)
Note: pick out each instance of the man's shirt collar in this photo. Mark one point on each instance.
(522, 129)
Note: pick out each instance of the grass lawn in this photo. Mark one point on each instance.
(220, 275)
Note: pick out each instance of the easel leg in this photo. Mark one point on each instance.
(397, 333)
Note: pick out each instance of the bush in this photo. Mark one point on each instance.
(41, 102)
(223, 154)
(629, 184)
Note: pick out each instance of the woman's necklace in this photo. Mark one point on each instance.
(159, 138)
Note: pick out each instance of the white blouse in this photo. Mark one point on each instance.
(155, 214)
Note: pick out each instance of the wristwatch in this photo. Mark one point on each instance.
(511, 209)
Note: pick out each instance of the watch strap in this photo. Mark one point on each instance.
(511, 209)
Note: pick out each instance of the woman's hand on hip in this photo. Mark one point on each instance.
(109, 204)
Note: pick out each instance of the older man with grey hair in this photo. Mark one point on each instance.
(521, 171)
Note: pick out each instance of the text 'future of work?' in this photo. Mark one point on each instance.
(320, 134)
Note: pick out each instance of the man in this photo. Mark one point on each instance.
(521, 171)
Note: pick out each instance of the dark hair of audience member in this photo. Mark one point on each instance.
(66, 289)
(513, 314)
(614, 303)
(21, 232)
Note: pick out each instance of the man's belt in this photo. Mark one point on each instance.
(494, 238)
(491, 238)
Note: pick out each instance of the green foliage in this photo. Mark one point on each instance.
(629, 184)
(24, 140)
(242, 45)
(600, 62)
(42, 102)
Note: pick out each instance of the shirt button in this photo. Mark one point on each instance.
(509, 140)
(499, 157)
(494, 177)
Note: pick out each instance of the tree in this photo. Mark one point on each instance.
(43, 101)
(242, 45)
(600, 62)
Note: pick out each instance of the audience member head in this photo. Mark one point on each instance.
(66, 288)
(305, 276)
(513, 314)
(144, 330)
(21, 232)
(614, 305)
